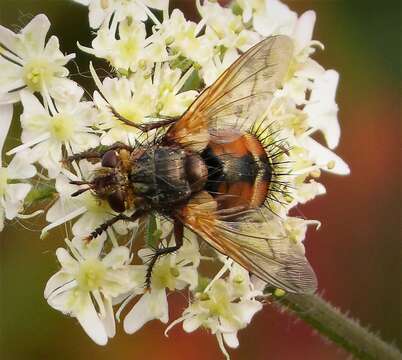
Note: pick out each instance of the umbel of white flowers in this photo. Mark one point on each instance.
(152, 76)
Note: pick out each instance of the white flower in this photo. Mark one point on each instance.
(87, 283)
(296, 228)
(322, 109)
(269, 17)
(100, 11)
(12, 193)
(168, 82)
(139, 99)
(224, 309)
(160, 66)
(90, 210)
(126, 47)
(183, 37)
(225, 28)
(325, 158)
(173, 271)
(46, 133)
(5, 122)
(27, 61)
(132, 102)
(303, 70)
(215, 66)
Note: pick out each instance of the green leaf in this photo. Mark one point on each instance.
(40, 193)
(194, 82)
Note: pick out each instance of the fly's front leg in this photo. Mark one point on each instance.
(144, 127)
(178, 230)
(96, 153)
(103, 227)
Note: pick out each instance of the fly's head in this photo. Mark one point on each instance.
(111, 181)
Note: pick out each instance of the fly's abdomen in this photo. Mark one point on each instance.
(239, 172)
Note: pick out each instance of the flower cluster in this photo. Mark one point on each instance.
(156, 73)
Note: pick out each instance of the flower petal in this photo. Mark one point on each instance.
(35, 32)
(15, 194)
(191, 324)
(325, 158)
(152, 305)
(68, 263)
(303, 31)
(6, 112)
(7, 37)
(108, 321)
(91, 323)
(245, 310)
(19, 168)
(231, 339)
(56, 281)
(31, 104)
(323, 110)
(117, 257)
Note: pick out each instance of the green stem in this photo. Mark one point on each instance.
(345, 332)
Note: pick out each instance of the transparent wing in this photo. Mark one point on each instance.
(246, 239)
(239, 97)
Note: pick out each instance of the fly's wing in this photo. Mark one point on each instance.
(278, 261)
(239, 97)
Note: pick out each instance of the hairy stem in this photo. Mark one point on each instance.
(345, 332)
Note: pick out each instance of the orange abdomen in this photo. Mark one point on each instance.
(239, 171)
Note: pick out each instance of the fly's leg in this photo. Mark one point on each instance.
(103, 227)
(144, 127)
(96, 153)
(178, 236)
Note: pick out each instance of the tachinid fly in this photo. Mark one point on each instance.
(210, 172)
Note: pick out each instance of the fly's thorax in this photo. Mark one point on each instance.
(167, 175)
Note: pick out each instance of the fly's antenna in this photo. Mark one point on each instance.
(80, 191)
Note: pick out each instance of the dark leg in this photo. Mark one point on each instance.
(96, 153)
(100, 229)
(178, 236)
(144, 127)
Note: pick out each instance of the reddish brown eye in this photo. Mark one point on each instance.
(110, 159)
(116, 201)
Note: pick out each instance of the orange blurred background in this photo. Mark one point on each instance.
(356, 253)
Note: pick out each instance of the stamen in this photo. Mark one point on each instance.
(175, 322)
(9, 50)
(112, 236)
(98, 83)
(66, 287)
(28, 216)
(183, 79)
(150, 13)
(225, 267)
(11, 59)
(49, 101)
(221, 345)
(73, 250)
(99, 302)
(124, 304)
(62, 220)
(27, 145)
(17, 89)
(200, 26)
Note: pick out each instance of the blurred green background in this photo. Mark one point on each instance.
(356, 253)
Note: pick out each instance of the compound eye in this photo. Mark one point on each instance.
(109, 159)
(116, 201)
